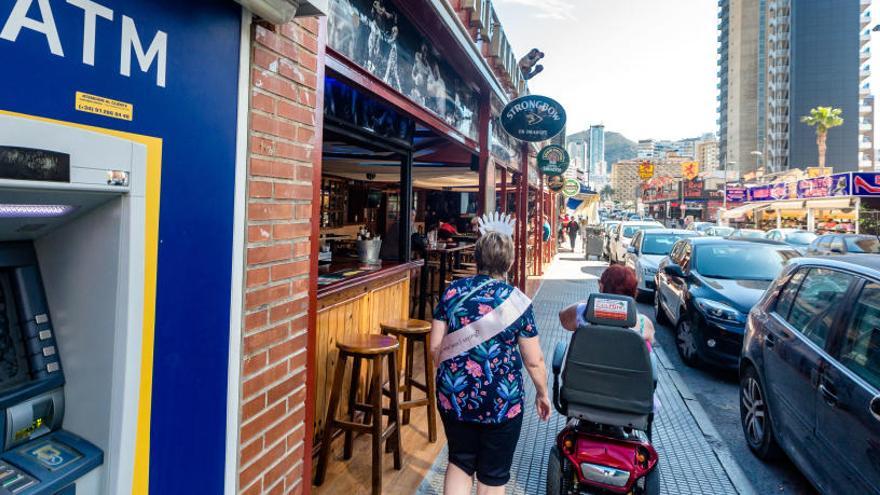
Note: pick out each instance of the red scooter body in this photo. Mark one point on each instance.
(607, 452)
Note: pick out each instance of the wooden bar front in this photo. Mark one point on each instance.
(355, 306)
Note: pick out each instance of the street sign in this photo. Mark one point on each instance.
(533, 118)
(690, 170)
(646, 170)
(571, 188)
(553, 160)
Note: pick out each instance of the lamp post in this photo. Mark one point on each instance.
(758, 156)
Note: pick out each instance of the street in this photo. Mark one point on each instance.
(718, 393)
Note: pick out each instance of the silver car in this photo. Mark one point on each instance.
(648, 248)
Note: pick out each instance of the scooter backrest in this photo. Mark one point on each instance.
(608, 365)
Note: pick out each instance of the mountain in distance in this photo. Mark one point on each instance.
(617, 146)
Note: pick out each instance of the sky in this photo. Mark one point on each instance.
(644, 68)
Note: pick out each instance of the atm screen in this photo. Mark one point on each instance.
(14, 369)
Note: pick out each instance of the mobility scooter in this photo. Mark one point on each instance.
(607, 394)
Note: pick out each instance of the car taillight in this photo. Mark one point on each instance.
(642, 457)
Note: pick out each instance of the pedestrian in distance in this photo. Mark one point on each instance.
(483, 332)
(573, 229)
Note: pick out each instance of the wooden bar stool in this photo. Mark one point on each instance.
(410, 332)
(371, 348)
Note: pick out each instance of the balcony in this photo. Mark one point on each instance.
(865, 110)
(866, 127)
(866, 145)
(865, 37)
(864, 92)
(865, 73)
(865, 55)
(865, 4)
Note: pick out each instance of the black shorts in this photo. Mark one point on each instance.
(484, 449)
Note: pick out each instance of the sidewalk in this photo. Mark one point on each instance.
(692, 460)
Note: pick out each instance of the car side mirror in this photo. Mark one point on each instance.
(673, 270)
(632, 250)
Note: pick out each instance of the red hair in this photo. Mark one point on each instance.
(619, 279)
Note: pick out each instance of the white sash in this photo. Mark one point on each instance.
(491, 324)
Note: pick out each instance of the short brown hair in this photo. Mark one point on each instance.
(494, 254)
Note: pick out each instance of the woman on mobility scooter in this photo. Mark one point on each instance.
(606, 392)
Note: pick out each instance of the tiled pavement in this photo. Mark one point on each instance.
(690, 455)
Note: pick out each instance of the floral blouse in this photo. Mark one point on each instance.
(485, 384)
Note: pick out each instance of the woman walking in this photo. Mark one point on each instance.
(483, 331)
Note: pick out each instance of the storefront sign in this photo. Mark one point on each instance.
(692, 189)
(571, 188)
(533, 118)
(736, 194)
(773, 192)
(646, 170)
(555, 183)
(690, 170)
(824, 187)
(376, 36)
(553, 160)
(866, 184)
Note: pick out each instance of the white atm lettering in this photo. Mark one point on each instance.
(156, 53)
(158, 49)
(91, 11)
(18, 19)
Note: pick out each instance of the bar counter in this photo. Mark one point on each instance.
(354, 304)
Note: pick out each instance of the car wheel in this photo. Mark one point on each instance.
(659, 316)
(558, 474)
(686, 342)
(755, 417)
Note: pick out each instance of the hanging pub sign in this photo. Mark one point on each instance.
(555, 183)
(690, 170)
(571, 188)
(553, 160)
(646, 170)
(692, 189)
(533, 118)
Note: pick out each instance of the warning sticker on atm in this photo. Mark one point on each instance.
(99, 105)
(610, 309)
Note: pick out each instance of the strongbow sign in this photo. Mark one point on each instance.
(533, 118)
(553, 160)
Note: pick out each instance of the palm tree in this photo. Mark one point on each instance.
(607, 192)
(823, 118)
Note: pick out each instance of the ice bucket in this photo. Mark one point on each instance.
(368, 251)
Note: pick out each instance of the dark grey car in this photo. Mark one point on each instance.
(810, 372)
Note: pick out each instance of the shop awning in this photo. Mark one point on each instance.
(742, 210)
(573, 203)
(830, 204)
(787, 205)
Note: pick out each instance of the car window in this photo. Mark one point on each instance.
(837, 243)
(742, 261)
(637, 240)
(783, 304)
(862, 244)
(861, 348)
(824, 242)
(686, 256)
(675, 254)
(800, 238)
(817, 300)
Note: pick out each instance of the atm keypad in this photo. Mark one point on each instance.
(14, 480)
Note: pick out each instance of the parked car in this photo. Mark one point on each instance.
(810, 372)
(623, 235)
(844, 244)
(748, 234)
(705, 289)
(719, 231)
(648, 248)
(700, 227)
(796, 238)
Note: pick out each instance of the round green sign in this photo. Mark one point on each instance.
(571, 188)
(553, 160)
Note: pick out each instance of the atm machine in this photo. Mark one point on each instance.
(72, 223)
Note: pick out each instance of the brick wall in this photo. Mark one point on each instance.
(283, 139)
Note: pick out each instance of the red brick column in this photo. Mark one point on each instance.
(284, 148)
